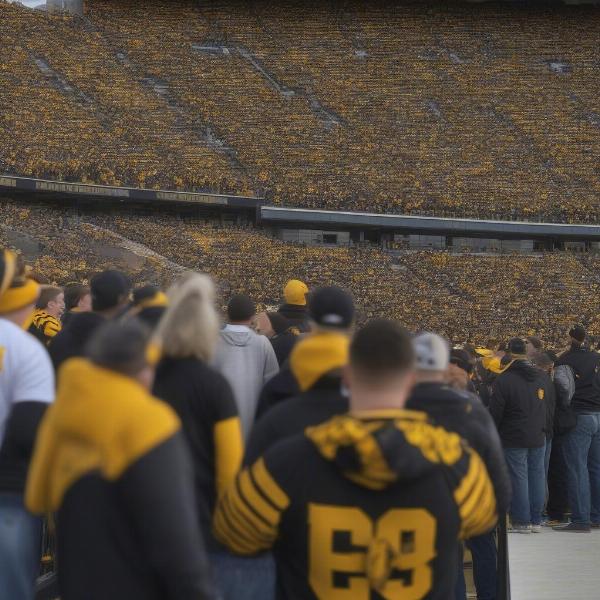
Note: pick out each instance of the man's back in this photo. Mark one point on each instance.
(362, 507)
(518, 405)
(247, 361)
(585, 364)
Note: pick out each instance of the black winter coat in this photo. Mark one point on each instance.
(585, 364)
(297, 316)
(314, 406)
(73, 337)
(519, 405)
(465, 414)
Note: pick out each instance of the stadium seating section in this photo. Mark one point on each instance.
(460, 109)
(466, 296)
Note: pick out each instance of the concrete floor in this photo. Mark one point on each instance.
(555, 566)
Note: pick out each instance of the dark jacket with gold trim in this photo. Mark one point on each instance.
(519, 405)
(367, 507)
(111, 462)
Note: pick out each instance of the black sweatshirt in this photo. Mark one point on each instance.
(585, 364)
(204, 402)
(465, 414)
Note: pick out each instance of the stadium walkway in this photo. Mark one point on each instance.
(555, 566)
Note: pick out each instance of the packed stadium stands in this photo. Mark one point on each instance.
(468, 297)
(474, 110)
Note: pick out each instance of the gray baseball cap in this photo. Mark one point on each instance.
(432, 352)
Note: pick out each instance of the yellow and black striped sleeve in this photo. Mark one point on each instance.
(248, 514)
(474, 496)
(50, 326)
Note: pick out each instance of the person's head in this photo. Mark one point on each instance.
(122, 347)
(463, 359)
(331, 309)
(380, 373)
(190, 325)
(78, 297)
(52, 301)
(517, 348)
(110, 292)
(577, 335)
(18, 293)
(533, 345)
(240, 310)
(148, 296)
(544, 361)
(432, 356)
(295, 292)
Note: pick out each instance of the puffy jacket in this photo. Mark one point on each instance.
(464, 414)
(519, 405)
(564, 390)
(585, 364)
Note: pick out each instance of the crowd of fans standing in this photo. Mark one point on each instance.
(224, 461)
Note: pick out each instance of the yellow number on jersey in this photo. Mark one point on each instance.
(408, 533)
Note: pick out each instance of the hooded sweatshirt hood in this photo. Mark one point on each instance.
(101, 420)
(524, 369)
(378, 449)
(235, 337)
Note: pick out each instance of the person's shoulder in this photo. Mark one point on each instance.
(22, 342)
(285, 456)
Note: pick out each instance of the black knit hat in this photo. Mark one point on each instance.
(517, 347)
(331, 307)
(578, 333)
(240, 308)
(109, 289)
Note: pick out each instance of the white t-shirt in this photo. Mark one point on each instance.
(26, 372)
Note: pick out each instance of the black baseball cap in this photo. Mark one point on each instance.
(109, 289)
(331, 307)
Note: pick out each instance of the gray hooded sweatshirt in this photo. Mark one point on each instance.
(247, 361)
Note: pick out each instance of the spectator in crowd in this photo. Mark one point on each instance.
(582, 443)
(148, 305)
(518, 406)
(329, 309)
(461, 367)
(565, 420)
(363, 476)
(534, 346)
(316, 364)
(247, 360)
(464, 414)
(26, 389)
(78, 298)
(294, 308)
(110, 295)
(187, 335)
(543, 362)
(112, 462)
(283, 335)
(48, 312)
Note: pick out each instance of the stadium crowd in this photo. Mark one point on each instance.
(312, 106)
(280, 454)
(466, 297)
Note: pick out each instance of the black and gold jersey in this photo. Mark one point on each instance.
(44, 326)
(362, 507)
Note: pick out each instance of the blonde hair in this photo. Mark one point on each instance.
(190, 325)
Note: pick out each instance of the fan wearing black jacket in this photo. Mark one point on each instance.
(463, 413)
(519, 408)
(111, 461)
(582, 443)
(110, 295)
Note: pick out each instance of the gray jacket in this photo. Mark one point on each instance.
(564, 381)
(247, 361)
